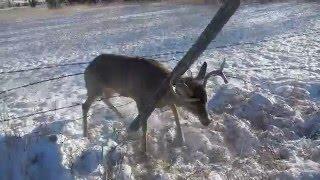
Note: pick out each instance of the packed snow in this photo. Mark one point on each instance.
(265, 122)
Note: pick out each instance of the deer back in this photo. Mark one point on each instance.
(129, 76)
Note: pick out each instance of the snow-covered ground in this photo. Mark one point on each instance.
(266, 121)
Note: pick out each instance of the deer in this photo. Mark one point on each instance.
(138, 78)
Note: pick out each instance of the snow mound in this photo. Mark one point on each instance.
(239, 136)
(31, 157)
(227, 98)
(197, 140)
(293, 91)
(87, 162)
(312, 126)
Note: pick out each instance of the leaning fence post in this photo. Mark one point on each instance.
(210, 32)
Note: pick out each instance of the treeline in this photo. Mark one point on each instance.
(58, 3)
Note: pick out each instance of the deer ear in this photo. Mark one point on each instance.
(202, 71)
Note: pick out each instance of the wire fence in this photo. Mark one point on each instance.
(146, 56)
(156, 55)
(59, 108)
(149, 56)
(303, 67)
(38, 82)
(43, 67)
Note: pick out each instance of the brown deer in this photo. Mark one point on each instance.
(138, 78)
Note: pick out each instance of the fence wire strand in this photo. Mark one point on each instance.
(38, 82)
(57, 109)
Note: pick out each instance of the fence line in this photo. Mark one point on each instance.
(42, 112)
(76, 74)
(155, 55)
(61, 65)
(81, 63)
(78, 104)
(37, 133)
(147, 56)
(51, 79)
(43, 67)
(57, 109)
(38, 82)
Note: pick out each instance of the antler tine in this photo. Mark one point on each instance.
(212, 73)
(223, 64)
(217, 73)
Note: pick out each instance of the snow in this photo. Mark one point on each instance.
(31, 157)
(266, 121)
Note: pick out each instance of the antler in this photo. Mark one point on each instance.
(217, 73)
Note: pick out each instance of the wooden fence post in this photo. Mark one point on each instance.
(214, 27)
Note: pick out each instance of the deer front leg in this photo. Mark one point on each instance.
(135, 126)
(179, 139)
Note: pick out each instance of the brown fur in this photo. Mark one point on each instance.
(139, 78)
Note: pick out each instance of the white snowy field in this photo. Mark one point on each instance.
(266, 121)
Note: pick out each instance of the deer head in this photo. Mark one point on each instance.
(190, 92)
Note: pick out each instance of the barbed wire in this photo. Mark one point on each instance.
(64, 65)
(78, 104)
(38, 82)
(248, 69)
(153, 55)
(82, 63)
(43, 67)
(57, 109)
(158, 54)
(42, 112)
(51, 79)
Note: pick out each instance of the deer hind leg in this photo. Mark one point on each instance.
(107, 93)
(179, 140)
(135, 124)
(93, 91)
(144, 128)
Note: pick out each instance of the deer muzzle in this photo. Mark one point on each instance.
(204, 119)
